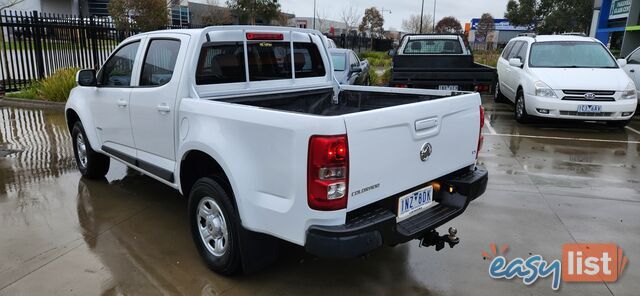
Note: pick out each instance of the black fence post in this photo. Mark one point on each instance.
(94, 42)
(37, 44)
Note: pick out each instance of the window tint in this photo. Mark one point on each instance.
(269, 60)
(507, 49)
(307, 59)
(570, 54)
(117, 70)
(635, 57)
(522, 54)
(515, 50)
(221, 63)
(433, 46)
(159, 62)
(339, 61)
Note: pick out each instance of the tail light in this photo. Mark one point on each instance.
(402, 85)
(482, 88)
(328, 173)
(480, 136)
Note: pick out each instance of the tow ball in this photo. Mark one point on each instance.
(433, 238)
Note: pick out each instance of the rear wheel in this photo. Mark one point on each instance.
(214, 226)
(521, 109)
(498, 97)
(91, 164)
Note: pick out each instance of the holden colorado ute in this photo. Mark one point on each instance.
(249, 123)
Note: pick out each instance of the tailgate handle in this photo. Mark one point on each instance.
(426, 124)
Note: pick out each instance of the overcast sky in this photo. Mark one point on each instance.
(463, 10)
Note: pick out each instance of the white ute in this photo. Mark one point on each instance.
(249, 123)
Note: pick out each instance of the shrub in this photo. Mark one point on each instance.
(54, 88)
(373, 77)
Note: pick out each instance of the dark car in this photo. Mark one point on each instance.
(348, 68)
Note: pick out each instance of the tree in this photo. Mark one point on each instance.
(372, 22)
(528, 13)
(412, 25)
(147, 15)
(485, 25)
(449, 24)
(350, 17)
(9, 3)
(248, 10)
(216, 15)
(551, 16)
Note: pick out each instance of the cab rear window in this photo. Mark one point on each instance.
(266, 60)
(433, 46)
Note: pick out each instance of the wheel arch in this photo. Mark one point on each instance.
(195, 164)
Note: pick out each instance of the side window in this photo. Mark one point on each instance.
(159, 62)
(507, 49)
(635, 58)
(221, 63)
(522, 54)
(515, 50)
(307, 59)
(353, 60)
(117, 70)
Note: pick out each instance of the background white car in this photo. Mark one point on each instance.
(569, 77)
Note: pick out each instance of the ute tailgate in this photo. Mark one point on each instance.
(385, 144)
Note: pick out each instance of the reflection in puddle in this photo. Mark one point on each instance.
(41, 145)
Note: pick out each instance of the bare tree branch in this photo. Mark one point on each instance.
(9, 3)
(350, 16)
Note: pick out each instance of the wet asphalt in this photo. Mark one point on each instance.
(550, 183)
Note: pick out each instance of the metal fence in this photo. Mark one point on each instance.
(362, 43)
(34, 45)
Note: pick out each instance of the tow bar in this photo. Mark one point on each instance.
(433, 238)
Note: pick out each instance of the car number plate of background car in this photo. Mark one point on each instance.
(589, 108)
(414, 202)
(448, 87)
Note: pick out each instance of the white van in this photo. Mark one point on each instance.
(568, 77)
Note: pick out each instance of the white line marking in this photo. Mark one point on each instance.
(563, 138)
(488, 125)
(632, 129)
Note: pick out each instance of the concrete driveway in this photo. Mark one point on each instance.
(550, 184)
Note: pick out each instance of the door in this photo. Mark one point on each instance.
(110, 102)
(503, 65)
(633, 67)
(509, 79)
(153, 101)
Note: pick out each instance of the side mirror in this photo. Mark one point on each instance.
(515, 62)
(86, 77)
(391, 52)
(622, 62)
(355, 69)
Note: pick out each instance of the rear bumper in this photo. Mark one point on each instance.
(377, 227)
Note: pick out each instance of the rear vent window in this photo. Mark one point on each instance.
(221, 63)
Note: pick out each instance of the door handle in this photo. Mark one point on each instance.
(163, 108)
(122, 103)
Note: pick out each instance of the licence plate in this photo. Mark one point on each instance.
(448, 87)
(414, 202)
(589, 108)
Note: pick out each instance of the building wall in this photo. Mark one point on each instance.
(621, 35)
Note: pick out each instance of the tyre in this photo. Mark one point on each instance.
(214, 226)
(498, 97)
(619, 123)
(520, 109)
(91, 164)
